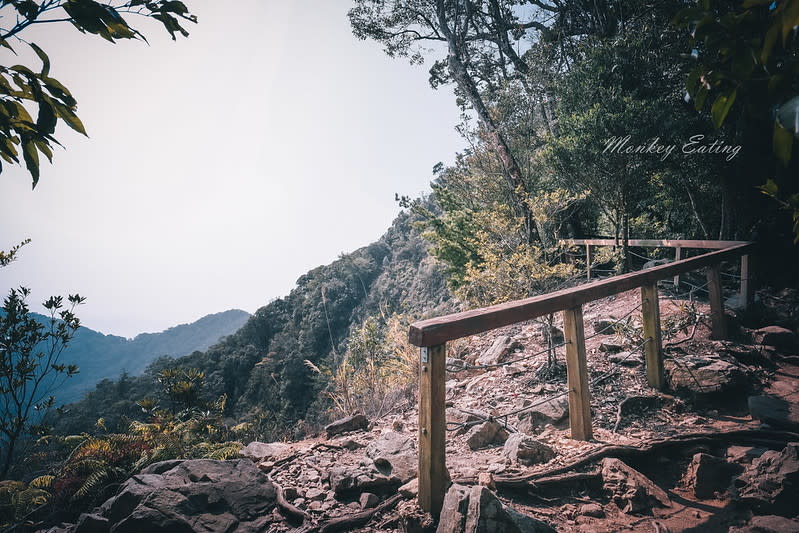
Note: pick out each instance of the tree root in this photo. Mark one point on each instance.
(759, 437)
(288, 510)
(346, 523)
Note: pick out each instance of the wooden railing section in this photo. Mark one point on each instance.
(432, 335)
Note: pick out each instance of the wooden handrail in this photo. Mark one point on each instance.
(431, 336)
(656, 243)
(438, 330)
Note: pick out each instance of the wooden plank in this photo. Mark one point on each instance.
(433, 476)
(577, 374)
(677, 257)
(717, 319)
(746, 292)
(653, 349)
(589, 259)
(659, 243)
(439, 330)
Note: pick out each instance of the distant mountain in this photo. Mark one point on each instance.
(100, 356)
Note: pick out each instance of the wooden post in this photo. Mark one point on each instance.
(433, 476)
(719, 323)
(653, 348)
(677, 257)
(747, 293)
(577, 374)
(589, 258)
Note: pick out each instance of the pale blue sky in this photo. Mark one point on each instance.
(222, 167)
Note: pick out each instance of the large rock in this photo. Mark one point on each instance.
(656, 263)
(626, 358)
(768, 524)
(498, 351)
(629, 489)
(486, 434)
(779, 337)
(351, 423)
(478, 510)
(771, 483)
(265, 451)
(525, 450)
(347, 480)
(394, 454)
(553, 412)
(708, 474)
(604, 326)
(701, 376)
(775, 412)
(194, 496)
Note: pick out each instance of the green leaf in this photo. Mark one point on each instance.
(783, 143)
(721, 107)
(31, 156)
(769, 188)
(46, 120)
(44, 58)
(59, 91)
(69, 117)
(700, 97)
(753, 3)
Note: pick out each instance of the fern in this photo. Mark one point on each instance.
(224, 451)
(42, 482)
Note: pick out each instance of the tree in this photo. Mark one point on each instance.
(24, 92)
(746, 67)
(30, 366)
(478, 37)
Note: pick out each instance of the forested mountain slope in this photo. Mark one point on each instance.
(266, 369)
(100, 356)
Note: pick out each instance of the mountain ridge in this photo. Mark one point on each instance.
(106, 356)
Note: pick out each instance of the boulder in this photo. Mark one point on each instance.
(525, 450)
(346, 480)
(708, 474)
(394, 454)
(593, 510)
(770, 484)
(454, 510)
(368, 500)
(199, 495)
(629, 489)
(478, 510)
(351, 423)
(553, 412)
(768, 524)
(498, 351)
(604, 326)
(486, 434)
(779, 337)
(704, 376)
(265, 451)
(775, 412)
(410, 489)
(610, 347)
(92, 523)
(656, 262)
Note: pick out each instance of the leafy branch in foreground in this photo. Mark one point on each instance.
(25, 92)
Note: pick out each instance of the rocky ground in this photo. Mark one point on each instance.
(718, 452)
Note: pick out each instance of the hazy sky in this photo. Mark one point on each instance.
(219, 168)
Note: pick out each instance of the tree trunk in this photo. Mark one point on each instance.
(459, 73)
